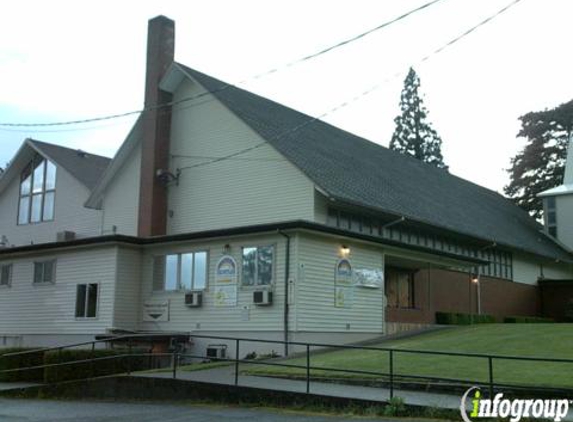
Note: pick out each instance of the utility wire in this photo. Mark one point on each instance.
(257, 76)
(357, 97)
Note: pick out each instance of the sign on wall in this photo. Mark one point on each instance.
(155, 311)
(343, 297)
(368, 278)
(226, 295)
(343, 284)
(226, 274)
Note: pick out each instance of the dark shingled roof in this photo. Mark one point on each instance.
(86, 168)
(357, 171)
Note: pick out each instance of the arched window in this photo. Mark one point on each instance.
(37, 192)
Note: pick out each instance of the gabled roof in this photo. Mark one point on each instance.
(359, 172)
(85, 168)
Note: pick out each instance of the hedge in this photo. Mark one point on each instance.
(21, 361)
(453, 318)
(526, 320)
(96, 368)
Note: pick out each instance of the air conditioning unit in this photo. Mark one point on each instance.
(193, 299)
(216, 351)
(65, 236)
(262, 297)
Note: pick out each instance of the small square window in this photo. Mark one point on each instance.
(45, 272)
(258, 264)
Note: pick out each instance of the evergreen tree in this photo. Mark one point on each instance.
(541, 163)
(414, 135)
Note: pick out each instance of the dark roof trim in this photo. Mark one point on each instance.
(236, 231)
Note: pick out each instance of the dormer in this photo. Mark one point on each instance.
(42, 194)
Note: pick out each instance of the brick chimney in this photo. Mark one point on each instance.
(156, 127)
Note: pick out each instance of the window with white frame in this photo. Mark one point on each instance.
(86, 300)
(37, 192)
(257, 266)
(181, 271)
(45, 272)
(6, 275)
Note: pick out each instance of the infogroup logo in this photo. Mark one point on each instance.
(514, 409)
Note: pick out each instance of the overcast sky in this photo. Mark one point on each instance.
(71, 60)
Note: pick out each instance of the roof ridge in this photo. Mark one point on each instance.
(36, 141)
(369, 142)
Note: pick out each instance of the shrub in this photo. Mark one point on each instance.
(526, 320)
(21, 361)
(452, 318)
(395, 407)
(106, 364)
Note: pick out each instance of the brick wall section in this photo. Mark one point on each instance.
(156, 128)
(451, 291)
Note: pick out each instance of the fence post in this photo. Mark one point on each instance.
(391, 374)
(237, 362)
(307, 368)
(92, 364)
(490, 364)
(56, 368)
(129, 357)
(175, 357)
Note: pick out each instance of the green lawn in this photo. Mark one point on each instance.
(533, 340)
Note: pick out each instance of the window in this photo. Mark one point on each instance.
(183, 271)
(551, 216)
(86, 300)
(6, 275)
(257, 266)
(45, 272)
(400, 288)
(37, 192)
(500, 264)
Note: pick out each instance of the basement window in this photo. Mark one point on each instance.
(37, 192)
(182, 271)
(5, 275)
(257, 269)
(86, 300)
(45, 272)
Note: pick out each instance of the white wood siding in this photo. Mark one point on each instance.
(26, 308)
(69, 213)
(210, 318)
(121, 198)
(317, 258)
(253, 188)
(528, 268)
(127, 306)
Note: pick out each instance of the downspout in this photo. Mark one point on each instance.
(287, 276)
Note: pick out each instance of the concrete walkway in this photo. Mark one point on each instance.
(226, 375)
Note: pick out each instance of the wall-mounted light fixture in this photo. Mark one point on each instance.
(226, 249)
(166, 177)
(344, 251)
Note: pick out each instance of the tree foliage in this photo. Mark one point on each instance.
(540, 165)
(414, 134)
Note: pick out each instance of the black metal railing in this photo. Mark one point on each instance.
(391, 378)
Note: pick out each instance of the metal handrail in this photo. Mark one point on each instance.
(391, 374)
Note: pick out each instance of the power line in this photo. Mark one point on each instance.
(257, 76)
(357, 97)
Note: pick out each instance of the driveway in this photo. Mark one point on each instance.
(21, 410)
